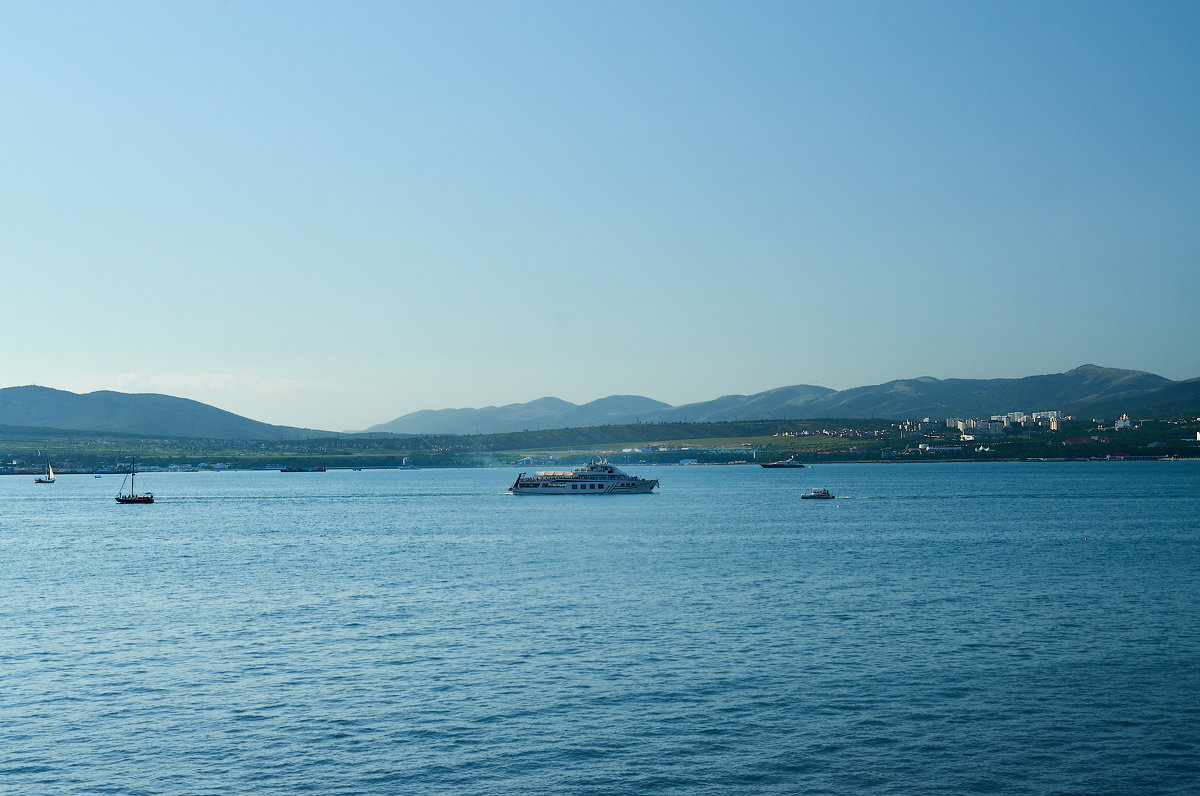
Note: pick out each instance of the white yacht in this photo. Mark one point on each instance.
(783, 465)
(594, 478)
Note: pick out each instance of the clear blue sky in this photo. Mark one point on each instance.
(332, 214)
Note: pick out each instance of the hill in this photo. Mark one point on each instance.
(778, 404)
(1089, 389)
(1072, 392)
(132, 413)
(1175, 399)
(539, 414)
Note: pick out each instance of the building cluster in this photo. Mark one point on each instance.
(829, 432)
(1011, 423)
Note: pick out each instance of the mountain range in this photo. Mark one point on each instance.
(133, 413)
(1087, 391)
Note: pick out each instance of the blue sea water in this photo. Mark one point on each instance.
(938, 628)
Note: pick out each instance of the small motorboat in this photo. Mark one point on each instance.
(817, 494)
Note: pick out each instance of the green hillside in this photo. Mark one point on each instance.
(136, 413)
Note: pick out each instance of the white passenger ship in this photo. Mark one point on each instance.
(594, 478)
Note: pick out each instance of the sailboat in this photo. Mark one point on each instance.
(133, 497)
(48, 478)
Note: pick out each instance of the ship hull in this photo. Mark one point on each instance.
(577, 488)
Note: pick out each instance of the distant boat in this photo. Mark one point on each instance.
(48, 478)
(316, 468)
(817, 494)
(133, 497)
(782, 465)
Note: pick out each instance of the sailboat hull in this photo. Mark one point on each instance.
(133, 497)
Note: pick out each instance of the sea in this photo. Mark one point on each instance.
(956, 628)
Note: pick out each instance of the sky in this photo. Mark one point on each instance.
(329, 215)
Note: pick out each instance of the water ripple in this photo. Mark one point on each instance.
(947, 630)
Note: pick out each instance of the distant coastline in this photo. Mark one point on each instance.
(751, 442)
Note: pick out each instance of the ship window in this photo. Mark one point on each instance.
(574, 486)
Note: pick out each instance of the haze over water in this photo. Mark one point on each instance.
(999, 628)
